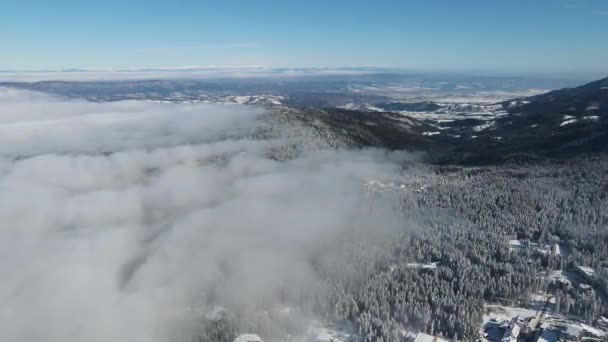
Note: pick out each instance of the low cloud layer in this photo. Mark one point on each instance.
(193, 72)
(133, 221)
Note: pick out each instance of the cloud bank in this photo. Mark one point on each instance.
(189, 72)
(136, 221)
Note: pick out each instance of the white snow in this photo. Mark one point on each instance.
(323, 336)
(430, 133)
(568, 122)
(537, 297)
(422, 337)
(591, 117)
(588, 271)
(515, 244)
(481, 127)
(427, 266)
(380, 186)
(348, 106)
(592, 330)
(505, 313)
(557, 248)
(338, 332)
(241, 99)
(248, 338)
(561, 276)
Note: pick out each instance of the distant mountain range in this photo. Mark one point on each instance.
(560, 123)
(448, 120)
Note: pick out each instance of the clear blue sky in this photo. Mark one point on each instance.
(493, 35)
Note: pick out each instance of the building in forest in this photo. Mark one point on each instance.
(512, 331)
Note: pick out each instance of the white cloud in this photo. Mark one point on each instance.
(131, 221)
(167, 73)
(32, 124)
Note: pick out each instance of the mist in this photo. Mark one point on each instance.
(193, 72)
(137, 221)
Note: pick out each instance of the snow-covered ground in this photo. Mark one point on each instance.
(455, 115)
(330, 332)
(505, 313)
(591, 117)
(248, 338)
(568, 120)
(272, 100)
(426, 266)
(484, 126)
(463, 93)
(449, 111)
(377, 185)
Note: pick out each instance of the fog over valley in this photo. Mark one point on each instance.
(134, 221)
(225, 211)
(304, 171)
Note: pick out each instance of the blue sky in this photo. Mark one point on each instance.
(569, 36)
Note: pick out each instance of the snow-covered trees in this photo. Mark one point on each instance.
(463, 217)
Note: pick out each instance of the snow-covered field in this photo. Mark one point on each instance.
(505, 313)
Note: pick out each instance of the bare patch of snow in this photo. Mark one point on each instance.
(241, 99)
(568, 122)
(248, 338)
(348, 106)
(422, 337)
(505, 313)
(481, 127)
(336, 332)
(427, 266)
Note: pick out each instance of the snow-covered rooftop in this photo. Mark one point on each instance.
(592, 330)
(588, 271)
